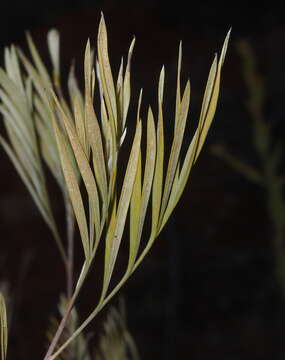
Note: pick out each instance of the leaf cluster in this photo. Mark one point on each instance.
(80, 141)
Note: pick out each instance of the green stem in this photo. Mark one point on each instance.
(102, 303)
(66, 314)
(70, 248)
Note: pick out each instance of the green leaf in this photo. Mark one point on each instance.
(127, 85)
(114, 237)
(16, 102)
(93, 132)
(41, 84)
(73, 188)
(13, 68)
(106, 73)
(158, 172)
(135, 207)
(178, 87)
(80, 124)
(119, 94)
(206, 117)
(148, 175)
(53, 46)
(176, 147)
(211, 96)
(37, 60)
(85, 170)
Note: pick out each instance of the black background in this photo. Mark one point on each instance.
(207, 290)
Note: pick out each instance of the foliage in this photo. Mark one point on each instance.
(267, 174)
(81, 147)
(116, 341)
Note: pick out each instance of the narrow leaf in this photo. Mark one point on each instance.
(158, 172)
(84, 167)
(37, 60)
(176, 147)
(106, 73)
(148, 177)
(53, 45)
(127, 84)
(73, 188)
(178, 87)
(124, 203)
(93, 132)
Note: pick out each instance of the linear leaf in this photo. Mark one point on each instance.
(176, 147)
(80, 123)
(172, 202)
(148, 175)
(53, 46)
(73, 188)
(45, 212)
(135, 204)
(40, 83)
(124, 203)
(15, 100)
(29, 161)
(135, 207)
(84, 167)
(73, 88)
(158, 172)
(20, 133)
(13, 68)
(119, 94)
(127, 84)
(211, 95)
(178, 87)
(206, 117)
(106, 73)
(93, 132)
(37, 60)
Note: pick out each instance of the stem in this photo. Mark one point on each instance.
(65, 316)
(101, 304)
(59, 329)
(99, 307)
(70, 248)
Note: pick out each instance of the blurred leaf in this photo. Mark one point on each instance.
(116, 342)
(38, 61)
(240, 166)
(53, 45)
(79, 349)
(3, 328)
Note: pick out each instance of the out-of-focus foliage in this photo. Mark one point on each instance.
(78, 350)
(116, 342)
(24, 92)
(270, 154)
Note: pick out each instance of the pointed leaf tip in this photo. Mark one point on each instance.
(225, 47)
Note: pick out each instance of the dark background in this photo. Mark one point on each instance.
(207, 290)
